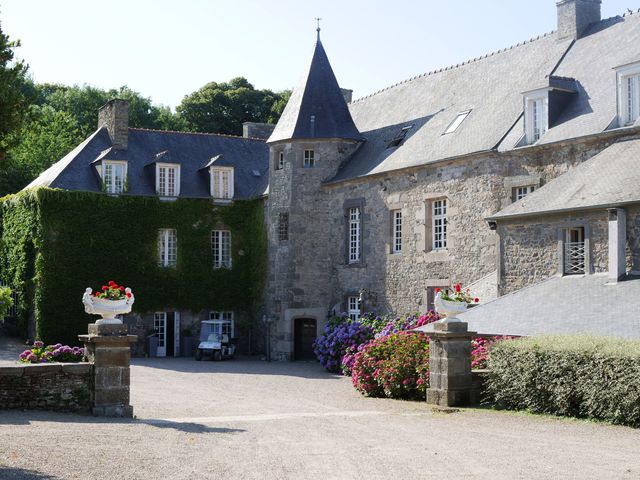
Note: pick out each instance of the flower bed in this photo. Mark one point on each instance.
(38, 353)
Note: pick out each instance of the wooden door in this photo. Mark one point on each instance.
(304, 336)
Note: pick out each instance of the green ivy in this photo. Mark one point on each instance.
(55, 243)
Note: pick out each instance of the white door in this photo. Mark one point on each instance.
(160, 326)
(176, 335)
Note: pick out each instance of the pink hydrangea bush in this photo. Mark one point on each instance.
(38, 353)
(480, 347)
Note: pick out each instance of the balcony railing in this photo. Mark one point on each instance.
(574, 258)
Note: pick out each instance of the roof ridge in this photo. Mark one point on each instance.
(458, 65)
(226, 135)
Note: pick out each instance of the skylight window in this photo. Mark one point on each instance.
(453, 126)
(399, 138)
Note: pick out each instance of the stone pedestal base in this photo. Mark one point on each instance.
(108, 347)
(450, 382)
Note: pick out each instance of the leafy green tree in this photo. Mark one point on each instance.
(15, 92)
(223, 107)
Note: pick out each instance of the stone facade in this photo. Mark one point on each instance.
(61, 387)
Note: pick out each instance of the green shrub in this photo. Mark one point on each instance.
(579, 376)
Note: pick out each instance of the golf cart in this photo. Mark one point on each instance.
(215, 341)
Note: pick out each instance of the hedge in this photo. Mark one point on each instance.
(55, 243)
(578, 376)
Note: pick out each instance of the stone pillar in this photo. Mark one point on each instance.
(450, 381)
(108, 347)
(617, 243)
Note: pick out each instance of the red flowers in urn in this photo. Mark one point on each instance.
(458, 295)
(112, 291)
(111, 300)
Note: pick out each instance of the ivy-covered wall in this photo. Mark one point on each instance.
(55, 243)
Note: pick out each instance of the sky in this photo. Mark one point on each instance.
(168, 49)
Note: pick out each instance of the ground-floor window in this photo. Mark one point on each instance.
(353, 307)
(224, 323)
(574, 251)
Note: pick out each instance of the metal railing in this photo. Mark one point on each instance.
(574, 258)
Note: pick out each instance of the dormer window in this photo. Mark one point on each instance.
(114, 176)
(536, 117)
(222, 182)
(400, 136)
(628, 94)
(167, 179)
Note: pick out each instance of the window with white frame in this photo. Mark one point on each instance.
(520, 192)
(354, 234)
(167, 180)
(160, 325)
(114, 176)
(453, 126)
(223, 323)
(536, 117)
(309, 159)
(353, 307)
(628, 94)
(222, 182)
(221, 248)
(167, 247)
(280, 161)
(439, 224)
(396, 217)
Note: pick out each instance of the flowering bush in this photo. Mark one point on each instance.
(480, 347)
(38, 353)
(458, 295)
(394, 366)
(112, 291)
(338, 338)
(408, 322)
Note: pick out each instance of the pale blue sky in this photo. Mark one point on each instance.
(167, 49)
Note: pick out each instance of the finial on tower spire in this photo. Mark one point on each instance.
(318, 27)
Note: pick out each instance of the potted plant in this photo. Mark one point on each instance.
(186, 342)
(111, 300)
(451, 304)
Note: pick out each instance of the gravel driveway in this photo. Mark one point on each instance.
(246, 419)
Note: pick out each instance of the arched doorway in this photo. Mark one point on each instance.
(304, 334)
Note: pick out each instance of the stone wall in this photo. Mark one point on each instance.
(633, 239)
(63, 387)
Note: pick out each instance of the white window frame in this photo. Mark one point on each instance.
(354, 307)
(221, 248)
(522, 191)
(309, 159)
(355, 234)
(439, 224)
(536, 115)
(110, 181)
(453, 126)
(628, 99)
(222, 182)
(396, 219)
(223, 319)
(167, 247)
(163, 174)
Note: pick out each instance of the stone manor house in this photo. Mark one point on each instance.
(516, 174)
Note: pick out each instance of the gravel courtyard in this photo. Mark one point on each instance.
(246, 419)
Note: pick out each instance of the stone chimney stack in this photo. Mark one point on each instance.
(115, 116)
(574, 16)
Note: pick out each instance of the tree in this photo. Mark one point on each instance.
(223, 107)
(15, 92)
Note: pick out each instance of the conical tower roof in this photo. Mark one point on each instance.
(317, 108)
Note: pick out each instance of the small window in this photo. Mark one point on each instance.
(629, 94)
(453, 126)
(520, 192)
(400, 136)
(439, 224)
(309, 160)
(574, 251)
(280, 161)
(354, 234)
(353, 307)
(223, 323)
(167, 247)
(283, 226)
(167, 180)
(222, 182)
(396, 217)
(159, 326)
(535, 118)
(114, 177)
(221, 248)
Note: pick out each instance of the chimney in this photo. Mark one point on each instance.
(347, 94)
(115, 116)
(617, 243)
(574, 16)
(257, 130)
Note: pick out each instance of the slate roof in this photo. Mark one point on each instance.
(317, 108)
(587, 304)
(492, 87)
(193, 151)
(611, 178)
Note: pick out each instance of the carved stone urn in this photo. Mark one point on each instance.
(449, 309)
(107, 309)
